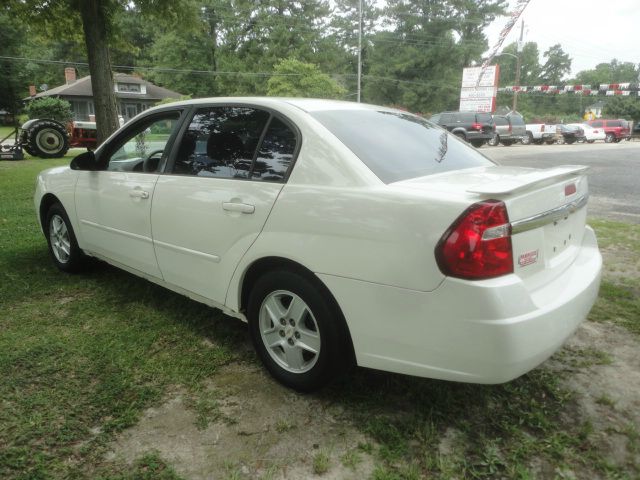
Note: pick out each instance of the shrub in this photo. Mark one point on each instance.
(49, 107)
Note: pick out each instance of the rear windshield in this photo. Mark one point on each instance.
(398, 146)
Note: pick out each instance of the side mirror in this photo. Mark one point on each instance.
(84, 161)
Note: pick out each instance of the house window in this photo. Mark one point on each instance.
(129, 87)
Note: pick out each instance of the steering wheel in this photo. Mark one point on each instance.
(151, 161)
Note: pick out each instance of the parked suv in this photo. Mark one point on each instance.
(616, 130)
(475, 128)
(509, 129)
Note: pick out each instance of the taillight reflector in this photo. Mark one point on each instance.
(478, 244)
(476, 126)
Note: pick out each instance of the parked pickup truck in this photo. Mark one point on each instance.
(539, 133)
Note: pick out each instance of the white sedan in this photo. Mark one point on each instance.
(342, 233)
(591, 134)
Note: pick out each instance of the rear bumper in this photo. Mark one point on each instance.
(490, 331)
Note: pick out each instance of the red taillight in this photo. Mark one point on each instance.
(478, 244)
(476, 126)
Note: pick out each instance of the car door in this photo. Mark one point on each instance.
(113, 204)
(212, 203)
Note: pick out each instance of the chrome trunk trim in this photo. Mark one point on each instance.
(544, 218)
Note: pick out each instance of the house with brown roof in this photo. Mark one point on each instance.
(133, 94)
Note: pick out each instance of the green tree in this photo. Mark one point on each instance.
(417, 63)
(12, 77)
(556, 67)
(623, 107)
(298, 79)
(49, 107)
(60, 19)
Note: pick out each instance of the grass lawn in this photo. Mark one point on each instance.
(82, 356)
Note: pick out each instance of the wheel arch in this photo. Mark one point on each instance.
(266, 264)
(46, 201)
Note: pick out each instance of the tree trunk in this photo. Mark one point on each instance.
(94, 24)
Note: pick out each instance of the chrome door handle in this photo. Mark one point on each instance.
(238, 207)
(138, 194)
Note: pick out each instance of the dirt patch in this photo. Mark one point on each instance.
(609, 395)
(262, 430)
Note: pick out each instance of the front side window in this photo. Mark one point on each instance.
(220, 142)
(143, 145)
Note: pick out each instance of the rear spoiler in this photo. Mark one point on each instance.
(526, 181)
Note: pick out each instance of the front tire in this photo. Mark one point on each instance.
(609, 138)
(298, 330)
(62, 242)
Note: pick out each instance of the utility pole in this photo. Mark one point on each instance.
(359, 49)
(518, 65)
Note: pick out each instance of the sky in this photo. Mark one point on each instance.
(590, 31)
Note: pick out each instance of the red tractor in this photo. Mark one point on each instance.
(46, 138)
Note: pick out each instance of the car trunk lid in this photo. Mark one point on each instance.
(546, 208)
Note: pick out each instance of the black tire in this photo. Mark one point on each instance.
(551, 142)
(493, 141)
(527, 139)
(321, 318)
(47, 139)
(76, 260)
(477, 143)
(539, 141)
(570, 141)
(461, 136)
(507, 143)
(618, 140)
(590, 141)
(609, 138)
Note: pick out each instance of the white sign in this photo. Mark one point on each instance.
(478, 93)
(489, 76)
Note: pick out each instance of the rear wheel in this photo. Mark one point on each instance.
(47, 139)
(62, 242)
(527, 139)
(609, 138)
(297, 330)
(493, 141)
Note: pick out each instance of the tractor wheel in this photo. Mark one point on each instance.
(47, 139)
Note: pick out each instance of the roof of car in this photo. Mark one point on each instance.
(305, 104)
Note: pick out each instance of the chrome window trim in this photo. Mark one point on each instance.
(549, 216)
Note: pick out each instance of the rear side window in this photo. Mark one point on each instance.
(597, 124)
(398, 146)
(467, 117)
(501, 121)
(516, 120)
(614, 123)
(275, 153)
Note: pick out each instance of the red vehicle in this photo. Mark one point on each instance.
(615, 129)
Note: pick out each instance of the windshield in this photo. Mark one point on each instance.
(398, 146)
